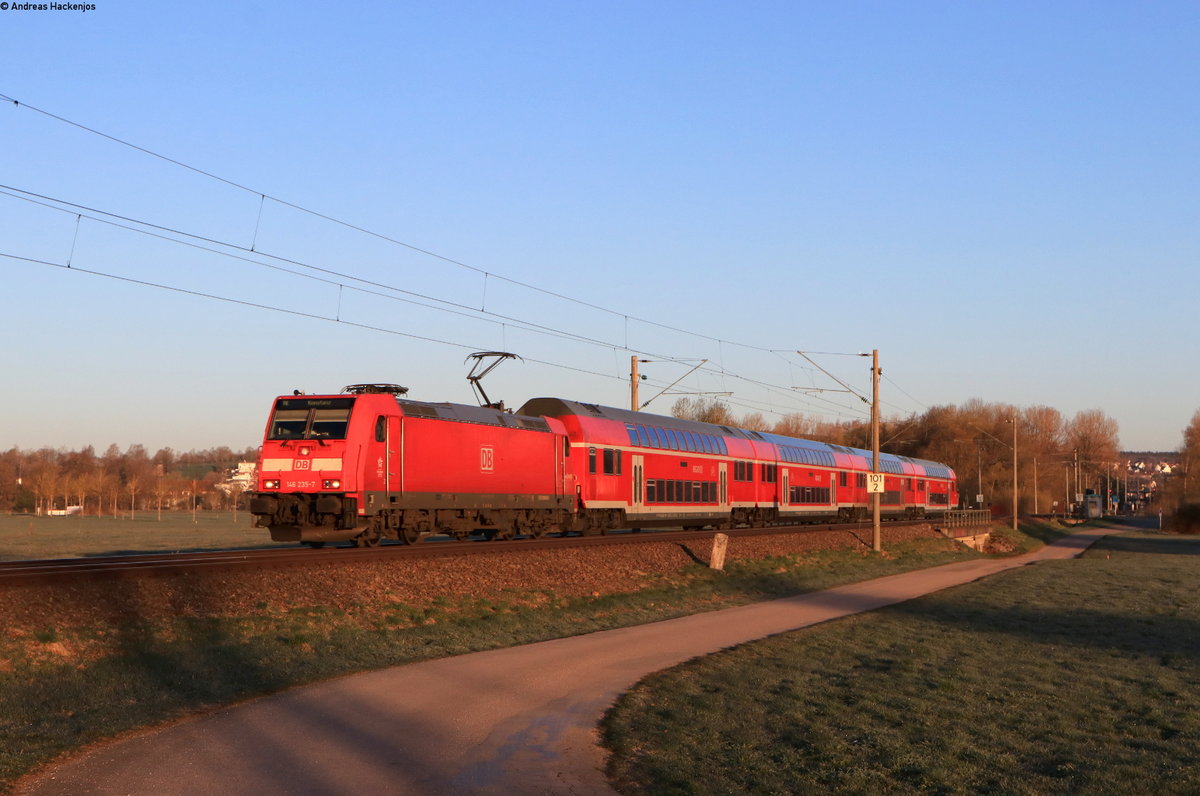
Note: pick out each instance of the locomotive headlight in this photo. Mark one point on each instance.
(333, 484)
(271, 483)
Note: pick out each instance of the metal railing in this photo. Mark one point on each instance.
(966, 519)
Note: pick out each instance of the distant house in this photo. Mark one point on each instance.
(239, 479)
(67, 512)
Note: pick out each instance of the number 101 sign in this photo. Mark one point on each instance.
(874, 483)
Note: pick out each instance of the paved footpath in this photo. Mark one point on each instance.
(512, 721)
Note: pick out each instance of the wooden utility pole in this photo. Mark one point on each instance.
(876, 534)
(634, 378)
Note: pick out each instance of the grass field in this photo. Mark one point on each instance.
(24, 536)
(1077, 676)
(157, 671)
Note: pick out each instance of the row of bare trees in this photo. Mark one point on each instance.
(1184, 487)
(1057, 457)
(117, 481)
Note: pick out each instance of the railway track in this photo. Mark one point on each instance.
(159, 564)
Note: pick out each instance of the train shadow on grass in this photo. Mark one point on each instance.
(1111, 599)
(1159, 545)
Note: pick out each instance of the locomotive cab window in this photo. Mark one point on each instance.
(329, 423)
(310, 418)
(289, 423)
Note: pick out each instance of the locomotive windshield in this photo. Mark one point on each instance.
(310, 418)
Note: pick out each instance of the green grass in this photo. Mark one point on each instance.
(149, 674)
(1076, 676)
(25, 536)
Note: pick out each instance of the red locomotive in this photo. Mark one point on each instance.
(368, 464)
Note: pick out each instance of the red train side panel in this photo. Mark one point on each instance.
(368, 466)
(371, 465)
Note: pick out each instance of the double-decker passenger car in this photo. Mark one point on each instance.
(369, 464)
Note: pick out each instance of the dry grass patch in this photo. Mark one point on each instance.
(1078, 676)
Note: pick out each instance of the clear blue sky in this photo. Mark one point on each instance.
(1001, 197)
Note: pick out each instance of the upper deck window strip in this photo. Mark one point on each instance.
(674, 439)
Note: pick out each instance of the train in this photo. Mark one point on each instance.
(368, 464)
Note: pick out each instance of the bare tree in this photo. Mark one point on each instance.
(795, 425)
(133, 485)
(754, 421)
(1092, 437)
(705, 410)
(1189, 456)
(92, 485)
(45, 474)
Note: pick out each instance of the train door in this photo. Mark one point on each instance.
(723, 495)
(784, 483)
(639, 484)
(561, 450)
(393, 479)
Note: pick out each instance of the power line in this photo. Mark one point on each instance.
(229, 250)
(458, 308)
(284, 310)
(195, 241)
(287, 311)
(263, 196)
(319, 317)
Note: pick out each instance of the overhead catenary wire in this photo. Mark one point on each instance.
(320, 274)
(284, 310)
(230, 250)
(297, 313)
(263, 196)
(363, 230)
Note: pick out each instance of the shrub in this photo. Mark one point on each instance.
(1186, 519)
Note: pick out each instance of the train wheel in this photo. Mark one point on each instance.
(408, 535)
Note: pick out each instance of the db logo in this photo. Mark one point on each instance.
(487, 459)
(303, 464)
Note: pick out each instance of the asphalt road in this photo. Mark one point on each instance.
(513, 721)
